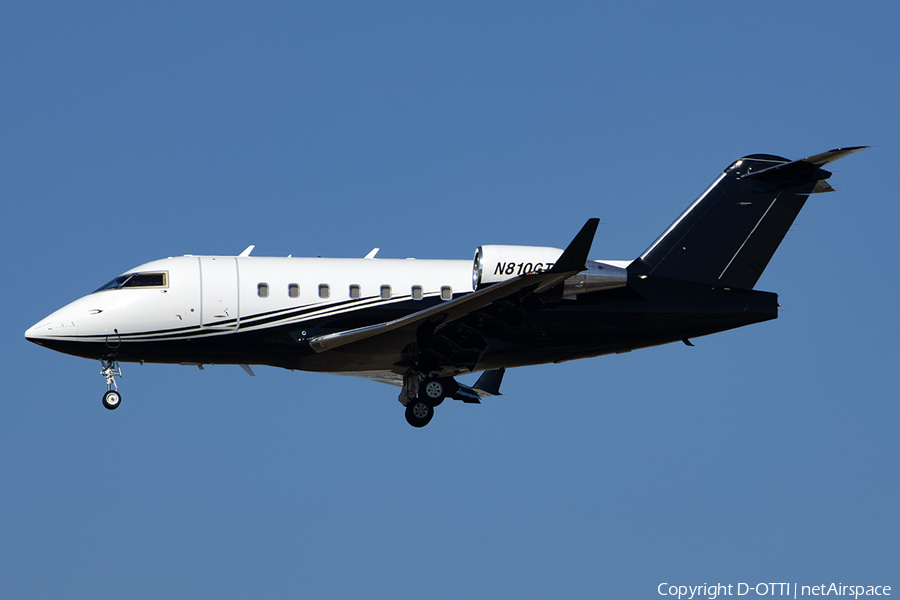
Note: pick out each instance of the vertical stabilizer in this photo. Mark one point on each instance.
(729, 234)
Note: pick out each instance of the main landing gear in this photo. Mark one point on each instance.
(419, 413)
(421, 393)
(111, 369)
(423, 396)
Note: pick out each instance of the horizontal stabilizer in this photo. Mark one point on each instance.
(820, 160)
(798, 172)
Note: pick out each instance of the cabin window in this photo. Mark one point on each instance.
(262, 290)
(417, 292)
(354, 291)
(446, 293)
(294, 290)
(324, 290)
(385, 292)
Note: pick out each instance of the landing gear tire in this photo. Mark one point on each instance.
(432, 392)
(419, 413)
(112, 399)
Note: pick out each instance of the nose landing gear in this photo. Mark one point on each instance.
(111, 369)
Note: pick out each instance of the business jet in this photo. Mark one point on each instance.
(419, 324)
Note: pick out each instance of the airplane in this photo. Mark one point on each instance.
(419, 324)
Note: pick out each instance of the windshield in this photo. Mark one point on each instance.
(130, 280)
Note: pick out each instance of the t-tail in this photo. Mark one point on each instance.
(729, 234)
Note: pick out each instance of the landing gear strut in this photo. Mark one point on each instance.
(111, 369)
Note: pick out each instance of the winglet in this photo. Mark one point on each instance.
(575, 256)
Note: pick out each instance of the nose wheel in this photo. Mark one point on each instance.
(112, 398)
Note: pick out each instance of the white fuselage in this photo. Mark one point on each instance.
(202, 295)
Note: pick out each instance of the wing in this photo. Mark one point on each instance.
(440, 337)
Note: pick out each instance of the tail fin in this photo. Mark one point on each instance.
(729, 234)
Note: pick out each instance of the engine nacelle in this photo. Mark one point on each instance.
(496, 263)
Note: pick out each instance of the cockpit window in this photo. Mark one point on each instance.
(130, 280)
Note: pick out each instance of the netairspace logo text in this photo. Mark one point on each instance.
(713, 591)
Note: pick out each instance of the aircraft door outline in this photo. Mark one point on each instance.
(219, 303)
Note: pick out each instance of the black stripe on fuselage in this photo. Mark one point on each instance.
(254, 322)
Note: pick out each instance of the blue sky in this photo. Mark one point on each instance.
(132, 132)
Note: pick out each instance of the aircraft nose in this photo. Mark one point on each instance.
(38, 331)
(53, 326)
